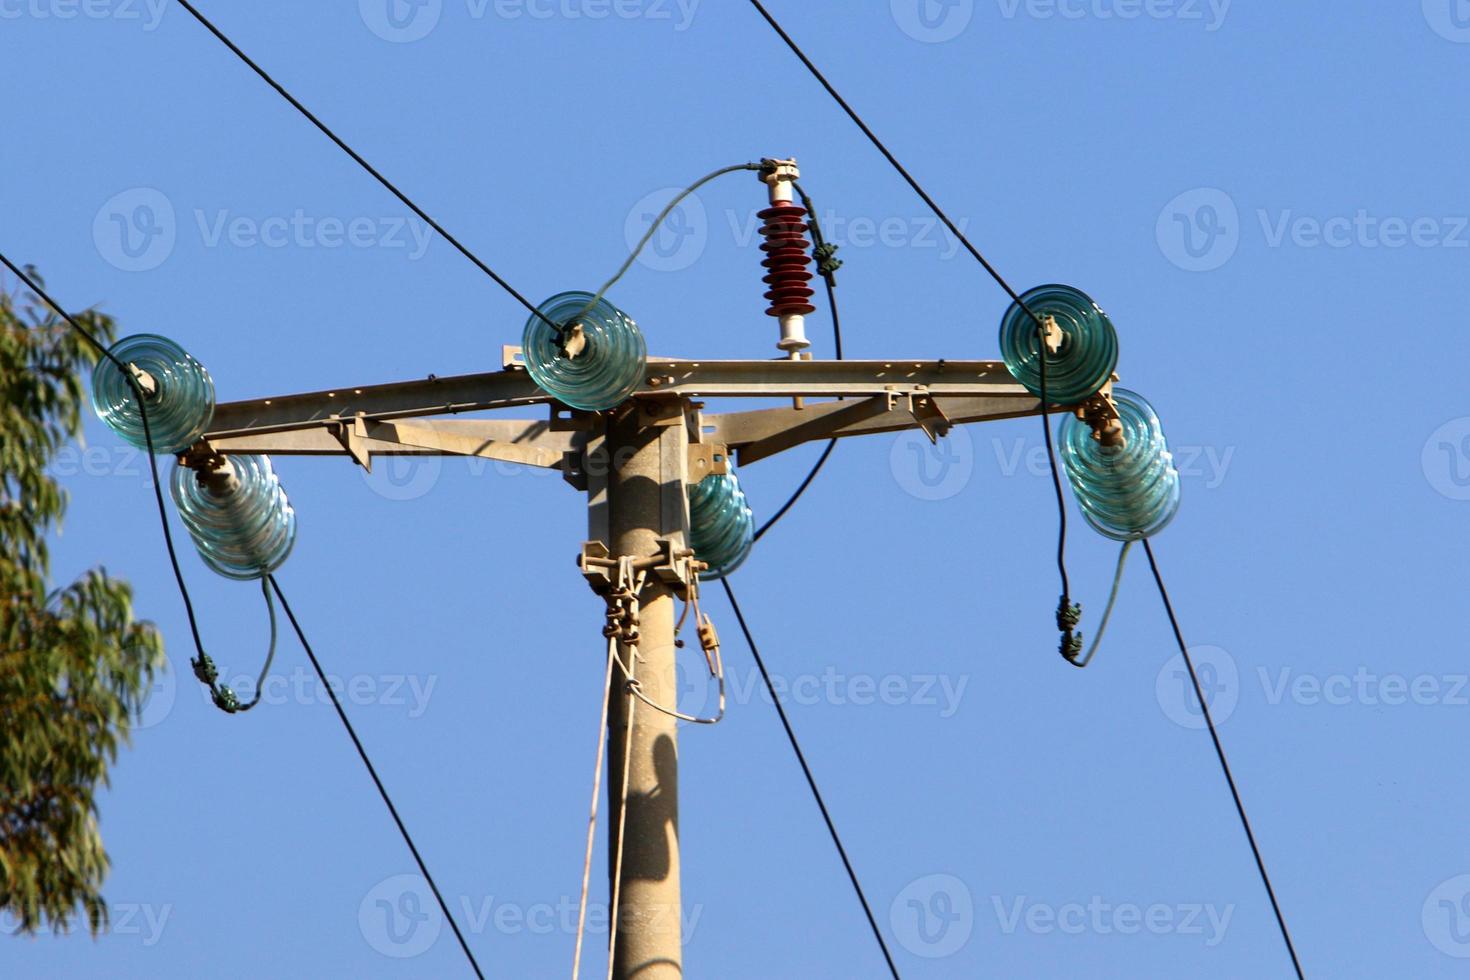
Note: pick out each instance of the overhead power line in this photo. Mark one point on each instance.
(1220, 754)
(1065, 609)
(31, 284)
(361, 162)
(811, 780)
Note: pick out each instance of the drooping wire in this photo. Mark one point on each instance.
(654, 226)
(147, 435)
(1102, 625)
(1220, 754)
(373, 772)
(630, 670)
(1068, 614)
(811, 780)
(827, 264)
(360, 161)
(612, 652)
(828, 267)
(168, 540)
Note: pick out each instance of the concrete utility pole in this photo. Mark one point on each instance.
(650, 934)
(635, 464)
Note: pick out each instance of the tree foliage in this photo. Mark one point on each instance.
(74, 666)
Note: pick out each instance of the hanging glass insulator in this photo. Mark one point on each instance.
(1078, 362)
(1126, 492)
(598, 359)
(237, 514)
(180, 406)
(721, 525)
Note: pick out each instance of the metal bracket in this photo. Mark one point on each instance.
(930, 416)
(1100, 413)
(1051, 333)
(677, 570)
(352, 434)
(661, 410)
(707, 459)
(512, 357)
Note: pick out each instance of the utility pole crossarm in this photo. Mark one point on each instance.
(881, 396)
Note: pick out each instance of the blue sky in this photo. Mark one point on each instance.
(1267, 198)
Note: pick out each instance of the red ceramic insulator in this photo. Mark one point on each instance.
(788, 259)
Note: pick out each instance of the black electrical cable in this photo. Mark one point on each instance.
(373, 171)
(373, 772)
(810, 779)
(173, 558)
(1220, 753)
(828, 277)
(760, 663)
(1066, 603)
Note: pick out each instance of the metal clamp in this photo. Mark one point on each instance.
(677, 570)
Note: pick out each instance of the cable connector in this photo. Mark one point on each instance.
(204, 669)
(827, 261)
(1069, 614)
